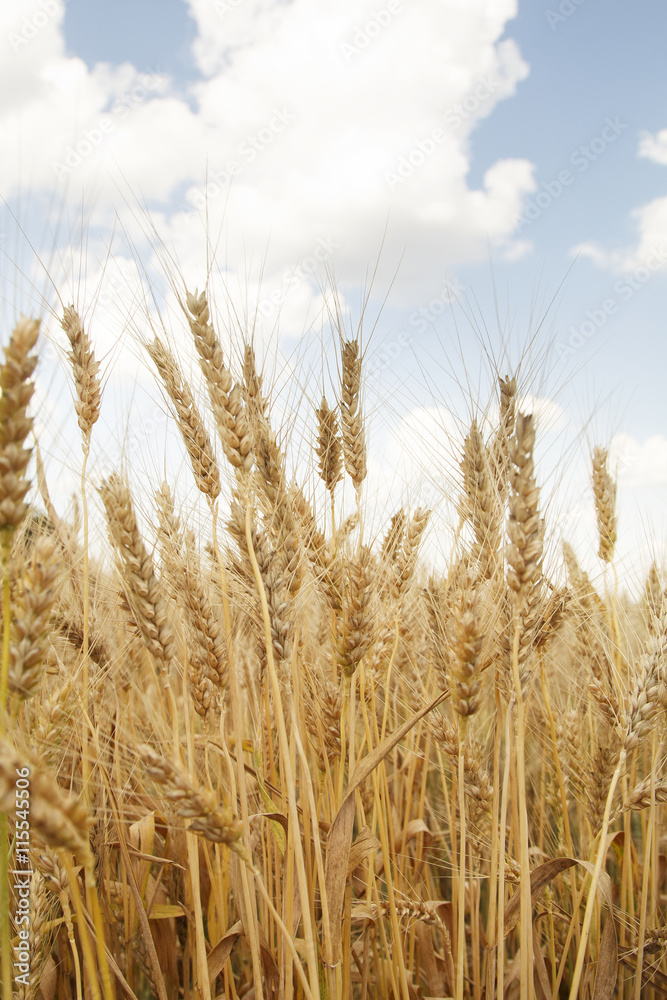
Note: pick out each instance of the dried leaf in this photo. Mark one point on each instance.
(223, 949)
(339, 841)
(539, 879)
(433, 968)
(364, 844)
(607, 966)
(541, 977)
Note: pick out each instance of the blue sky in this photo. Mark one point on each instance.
(319, 105)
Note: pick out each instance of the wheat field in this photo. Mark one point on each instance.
(271, 756)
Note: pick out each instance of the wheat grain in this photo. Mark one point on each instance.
(16, 390)
(86, 373)
(354, 443)
(195, 435)
(58, 820)
(207, 817)
(354, 635)
(480, 501)
(525, 531)
(142, 588)
(32, 607)
(604, 492)
(329, 450)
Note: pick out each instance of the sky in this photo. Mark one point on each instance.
(489, 177)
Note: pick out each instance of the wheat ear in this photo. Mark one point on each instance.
(86, 373)
(604, 492)
(354, 444)
(208, 818)
(16, 389)
(226, 400)
(57, 819)
(142, 588)
(195, 436)
(329, 450)
(34, 600)
(480, 501)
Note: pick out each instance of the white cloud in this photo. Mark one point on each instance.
(310, 107)
(650, 221)
(654, 147)
(639, 464)
(600, 257)
(549, 415)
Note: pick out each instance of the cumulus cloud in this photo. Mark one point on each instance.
(639, 464)
(654, 147)
(649, 254)
(308, 123)
(650, 249)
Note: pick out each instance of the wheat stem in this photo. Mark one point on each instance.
(85, 759)
(250, 903)
(500, 937)
(461, 940)
(88, 957)
(595, 878)
(311, 951)
(524, 857)
(648, 848)
(492, 930)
